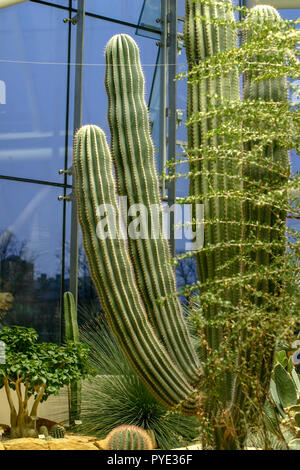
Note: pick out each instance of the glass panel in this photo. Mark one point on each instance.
(151, 11)
(30, 255)
(294, 157)
(88, 301)
(33, 52)
(292, 14)
(154, 108)
(125, 10)
(64, 3)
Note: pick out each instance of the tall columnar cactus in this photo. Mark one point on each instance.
(152, 335)
(270, 170)
(213, 179)
(70, 314)
(133, 156)
(72, 334)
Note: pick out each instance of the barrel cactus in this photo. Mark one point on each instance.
(128, 437)
(57, 431)
(43, 430)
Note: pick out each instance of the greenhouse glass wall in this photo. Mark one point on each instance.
(51, 81)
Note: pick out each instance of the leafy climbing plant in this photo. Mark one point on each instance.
(238, 151)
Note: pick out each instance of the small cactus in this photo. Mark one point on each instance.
(128, 438)
(43, 430)
(57, 431)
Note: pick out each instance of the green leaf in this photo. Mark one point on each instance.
(296, 379)
(290, 365)
(275, 397)
(270, 418)
(281, 358)
(294, 444)
(285, 387)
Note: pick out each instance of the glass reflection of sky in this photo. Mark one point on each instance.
(33, 56)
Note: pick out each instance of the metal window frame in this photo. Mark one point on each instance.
(168, 101)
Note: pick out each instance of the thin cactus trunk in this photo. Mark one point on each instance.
(72, 334)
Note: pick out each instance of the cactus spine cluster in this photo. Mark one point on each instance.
(128, 437)
(72, 334)
(152, 335)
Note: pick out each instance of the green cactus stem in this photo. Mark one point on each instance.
(72, 334)
(70, 314)
(133, 155)
(204, 39)
(112, 273)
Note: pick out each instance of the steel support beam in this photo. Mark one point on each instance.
(163, 94)
(80, 22)
(172, 102)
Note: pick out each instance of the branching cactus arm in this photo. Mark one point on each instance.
(112, 273)
(133, 156)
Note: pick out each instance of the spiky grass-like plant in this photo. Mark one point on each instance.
(117, 396)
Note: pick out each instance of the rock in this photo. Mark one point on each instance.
(27, 443)
(100, 444)
(71, 443)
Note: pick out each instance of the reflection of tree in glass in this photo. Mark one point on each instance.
(36, 300)
(88, 301)
(6, 301)
(186, 274)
